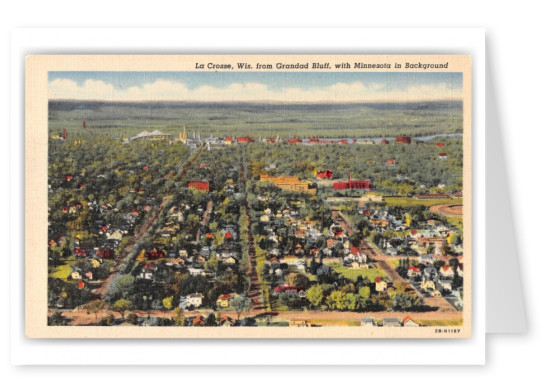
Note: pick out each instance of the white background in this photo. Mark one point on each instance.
(517, 53)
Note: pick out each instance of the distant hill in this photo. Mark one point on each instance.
(261, 118)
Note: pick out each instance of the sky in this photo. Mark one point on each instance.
(256, 86)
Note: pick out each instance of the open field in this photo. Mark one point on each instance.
(450, 210)
(409, 201)
(353, 274)
(62, 272)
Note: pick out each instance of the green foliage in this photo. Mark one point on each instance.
(121, 306)
(167, 302)
(241, 304)
(132, 318)
(57, 319)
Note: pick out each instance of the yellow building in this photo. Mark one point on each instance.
(290, 183)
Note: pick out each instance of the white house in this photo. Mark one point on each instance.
(408, 322)
(195, 299)
(446, 271)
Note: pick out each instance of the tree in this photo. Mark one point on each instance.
(123, 285)
(365, 292)
(132, 318)
(57, 319)
(95, 307)
(241, 304)
(315, 295)
(121, 306)
(298, 280)
(167, 302)
(211, 320)
(335, 300)
(179, 319)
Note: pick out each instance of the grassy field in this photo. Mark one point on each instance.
(62, 272)
(457, 222)
(394, 262)
(407, 201)
(442, 322)
(352, 274)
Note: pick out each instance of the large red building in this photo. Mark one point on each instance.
(324, 174)
(358, 185)
(246, 139)
(199, 185)
(403, 139)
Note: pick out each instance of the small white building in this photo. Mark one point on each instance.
(195, 299)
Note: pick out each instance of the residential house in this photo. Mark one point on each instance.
(391, 322)
(413, 271)
(75, 275)
(370, 322)
(196, 272)
(446, 271)
(408, 322)
(380, 284)
(224, 300)
(299, 323)
(226, 321)
(195, 299)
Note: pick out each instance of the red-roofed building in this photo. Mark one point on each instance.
(246, 139)
(439, 145)
(380, 284)
(285, 289)
(325, 174)
(403, 139)
(228, 235)
(384, 141)
(224, 300)
(408, 322)
(446, 271)
(414, 271)
(199, 185)
(80, 252)
(106, 253)
(155, 253)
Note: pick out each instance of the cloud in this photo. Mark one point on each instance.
(176, 91)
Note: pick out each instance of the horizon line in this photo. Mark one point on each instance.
(255, 101)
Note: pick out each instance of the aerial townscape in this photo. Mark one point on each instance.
(202, 214)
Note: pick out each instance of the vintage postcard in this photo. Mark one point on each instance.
(248, 196)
